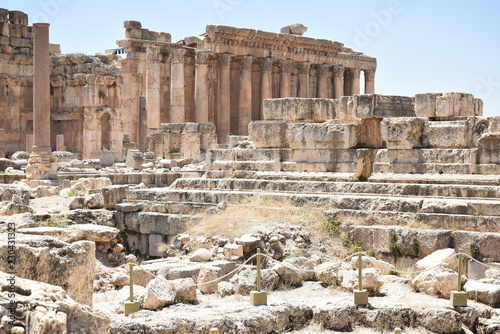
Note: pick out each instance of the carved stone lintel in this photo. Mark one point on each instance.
(323, 69)
(338, 71)
(224, 59)
(303, 67)
(201, 57)
(177, 55)
(369, 75)
(285, 65)
(246, 62)
(266, 64)
(153, 53)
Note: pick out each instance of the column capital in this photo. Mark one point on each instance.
(153, 53)
(201, 57)
(304, 67)
(246, 62)
(355, 72)
(266, 64)
(285, 65)
(338, 71)
(177, 55)
(369, 75)
(224, 59)
(323, 69)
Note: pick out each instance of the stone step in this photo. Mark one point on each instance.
(354, 201)
(466, 179)
(347, 188)
(435, 220)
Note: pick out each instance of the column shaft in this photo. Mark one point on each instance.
(369, 81)
(338, 81)
(323, 81)
(41, 89)
(303, 79)
(201, 86)
(355, 82)
(224, 110)
(266, 82)
(153, 96)
(245, 95)
(177, 87)
(285, 68)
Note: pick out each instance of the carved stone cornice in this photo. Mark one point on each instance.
(177, 55)
(303, 67)
(338, 71)
(323, 69)
(201, 57)
(369, 75)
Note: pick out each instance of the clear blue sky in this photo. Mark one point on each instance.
(421, 45)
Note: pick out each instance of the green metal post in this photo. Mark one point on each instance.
(459, 281)
(360, 270)
(258, 270)
(131, 266)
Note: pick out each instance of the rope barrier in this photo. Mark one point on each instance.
(292, 267)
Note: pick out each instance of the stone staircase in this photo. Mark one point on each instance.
(448, 206)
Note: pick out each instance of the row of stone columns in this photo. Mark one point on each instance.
(346, 81)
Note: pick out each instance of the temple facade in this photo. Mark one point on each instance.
(103, 105)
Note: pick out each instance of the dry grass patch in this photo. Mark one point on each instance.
(239, 218)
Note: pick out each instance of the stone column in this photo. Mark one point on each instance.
(41, 164)
(41, 89)
(29, 143)
(177, 87)
(224, 110)
(338, 81)
(347, 82)
(60, 143)
(323, 81)
(369, 81)
(153, 97)
(245, 95)
(266, 82)
(303, 79)
(285, 68)
(2, 143)
(355, 82)
(201, 86)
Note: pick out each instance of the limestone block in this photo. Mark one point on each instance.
(425, 104)
(437, 281)
(245, 281)
(304, 264)
(114, 195)
(201, 255)
(96, 233)
(129, 24)
(292, 109)
(269, 134)
(484, 292)
(449, 134)
(159, 293)
(403, 133)
(322, 136)
(185, 290)
(441, 321)
(374, 105)
(152, 222)
(294, 29)
(4, 15)
(489, 141)
(442, 256)
(183, 272)
(288, 275)
(94, 201)
(372, 279)
(138, 242)
(17, 17)
(456, 104)
(207, 279)
(46, 259)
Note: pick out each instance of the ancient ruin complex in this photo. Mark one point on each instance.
(123, 156)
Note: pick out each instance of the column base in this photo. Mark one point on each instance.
(258, 298)
(360, 297)
(131, 307)
(41, 166)
(458, 298)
